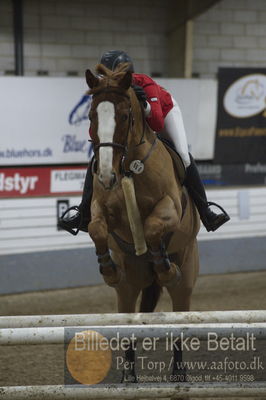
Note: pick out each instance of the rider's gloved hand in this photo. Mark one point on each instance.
(140, 93)
(142, 98)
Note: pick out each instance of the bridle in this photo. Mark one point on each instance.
(119, 146)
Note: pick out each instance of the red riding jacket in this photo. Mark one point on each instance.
(159, 99)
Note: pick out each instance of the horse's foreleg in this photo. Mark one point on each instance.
(163, 219)
(98, 231)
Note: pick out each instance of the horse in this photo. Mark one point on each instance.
(125, 146)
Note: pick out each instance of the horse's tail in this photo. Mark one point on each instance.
(150, 297)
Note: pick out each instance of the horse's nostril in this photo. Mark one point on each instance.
(108, 181)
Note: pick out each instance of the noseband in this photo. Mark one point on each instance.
(119, 146)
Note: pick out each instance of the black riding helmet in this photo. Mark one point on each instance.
(112, 58)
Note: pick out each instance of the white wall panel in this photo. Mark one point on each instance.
(198, 103)
(29, 225)
(41, 134)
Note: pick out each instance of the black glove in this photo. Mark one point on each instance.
(140, 93)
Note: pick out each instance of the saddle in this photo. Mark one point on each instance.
(179, 167)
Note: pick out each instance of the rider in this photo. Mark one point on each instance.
(163, 115)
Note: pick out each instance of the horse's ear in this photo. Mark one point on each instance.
(126, 81)
(91, 79)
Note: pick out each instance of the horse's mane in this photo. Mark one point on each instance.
(117, 74)
(109, 77)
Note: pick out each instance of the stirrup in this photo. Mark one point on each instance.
(224, 217)
(211, 203)
(64, 224)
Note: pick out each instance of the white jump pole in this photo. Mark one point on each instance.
(58, 335)
(50, 329)
(193, 317)
(133, 391)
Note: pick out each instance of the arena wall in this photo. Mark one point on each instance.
(230, 34)
(65, 37)
(35, 256)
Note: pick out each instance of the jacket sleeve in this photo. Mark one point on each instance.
(155, 118)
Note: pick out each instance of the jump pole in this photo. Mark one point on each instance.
(51, 329)
(133, 391)
(59, 335)
(193, 317)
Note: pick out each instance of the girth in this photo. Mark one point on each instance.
(129, 248)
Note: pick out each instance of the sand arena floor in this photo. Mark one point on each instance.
(33, 365)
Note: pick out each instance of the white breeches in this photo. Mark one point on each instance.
(174, 130)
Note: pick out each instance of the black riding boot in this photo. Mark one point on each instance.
(80, 220)
(210, 219)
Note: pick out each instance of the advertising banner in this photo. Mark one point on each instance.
(44, 120)
(232, 174)
(241, 122)
(42, 181)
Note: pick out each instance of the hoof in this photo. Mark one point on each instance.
(169, 277)
(112, 276)
(109, 270)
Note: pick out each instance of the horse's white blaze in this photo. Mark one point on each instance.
(106, 129)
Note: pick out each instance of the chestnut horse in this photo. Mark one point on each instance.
(125, 146)
(170, 222)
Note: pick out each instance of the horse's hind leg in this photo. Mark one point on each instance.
(127, 296)
(162, 220)
(181, 293)
(181, 296)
